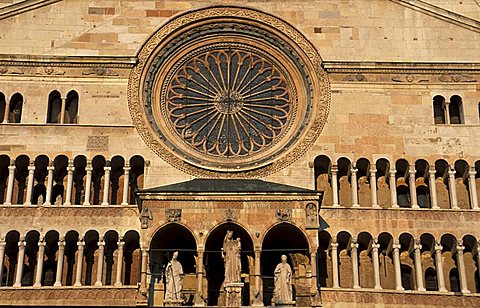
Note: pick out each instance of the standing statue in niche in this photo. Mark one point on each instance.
(231, 257)
(282, 293)
(174, 281)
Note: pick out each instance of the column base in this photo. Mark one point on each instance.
(378, 288)
(455, 208)
(86, 203)
(355, 205)
(399, 289)
(173, 302)
(104, 203)
(37, 284)
(77, 284)
(118, 284)
(27, 203)
(443, 290)
(258, 301)
(98, 284)
(395, 206)
(356, 287)
(57, 284)
(422, 290)
(336, 205)
(67, 203)
(376, 206)
(284, 304)
(17, 285)
(199, 301)
(124, 203)
(233, 294)
(47, 204)
(466, 291)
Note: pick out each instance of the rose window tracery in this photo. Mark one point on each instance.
(227, 102)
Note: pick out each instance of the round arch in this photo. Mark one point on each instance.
(215, 273)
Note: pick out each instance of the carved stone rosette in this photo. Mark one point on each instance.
(228, 92)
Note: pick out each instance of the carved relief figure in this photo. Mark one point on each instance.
(231, 257)
(174, 280)
(282, 293)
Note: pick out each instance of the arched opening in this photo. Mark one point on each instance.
(427, 241)
(21, 173)
(168, 239)
(50, 264)
(407, 277)
(454, 280)
(365, 261)
(455, 110)
(344, 187)
(406, 261)
(3, 106)
(15, 110)
(79, 163)
(116, 179)
(383, 189)
(284, 239)
(324, 268)
(11, 253)
(30, 261)
(322, 166)
(111, 246)
(91, 257)
(137, 169)
(363, 179)
(421, 179)
(439, 109)
(131, 258)
(98, 164)
(431, 283)
(71, 108)
(441, 176)
(387, 270)
(449, 260)
(213, 257)
(71, 248)
(4, 164)
(40, 175)
(345, 272)
(403, 191)
(470, 261)
(60, 164)
(461, 183)
(54, 107)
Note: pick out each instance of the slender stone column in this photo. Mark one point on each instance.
(313, 264)
(78, 274)
(354, 256)
(121, 245)
(11, 178)
(62, 111)
(20, 261)
(7, 111)
(373, 187)
(101, 255)
(88, 182)
(39, 269)
(452, 188)
(396, 264)
(478, 258)
(335, 185)
(439, 268)
(334, 252)
(417, 258)
(412, 184)
(258, 288)
(433, 188)
(70, 169)
(376, 265)
(60, 256)
(31, 173)
(393, 188)
(126, 177)
(48, 197)
(143, 274)
(461, 268)
(106, 184)
(2, 256)
(472, 185)
(353, 179)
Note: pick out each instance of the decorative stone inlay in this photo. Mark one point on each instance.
(228, 92)
(97, 143)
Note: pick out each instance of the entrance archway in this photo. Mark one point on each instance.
(214, 266)
(168, 239)
(285, 239)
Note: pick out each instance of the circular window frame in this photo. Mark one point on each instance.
(304, 65)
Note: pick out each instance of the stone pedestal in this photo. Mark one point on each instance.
(173, 303)
(284, 304)
(233, 294)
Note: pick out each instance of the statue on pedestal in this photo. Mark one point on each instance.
(231, 257)
(282, 293)
(174, 282)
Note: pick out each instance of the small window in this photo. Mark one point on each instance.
(71, 108)
(3, 104)
(16, 105)
(439, 109)
(54, 107)
(455, 110)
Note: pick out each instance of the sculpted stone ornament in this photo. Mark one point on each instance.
(282, 293)
(231, 257)
(174, 282)
(145, 216)
(173, 215)
(311, 216)
(284, 214)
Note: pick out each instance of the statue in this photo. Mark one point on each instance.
(231, 257)
(282, 293)
(145, 216)
(174, 281)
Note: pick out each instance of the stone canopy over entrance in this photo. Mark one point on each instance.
(270, 220)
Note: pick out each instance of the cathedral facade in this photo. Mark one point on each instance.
(335, 140)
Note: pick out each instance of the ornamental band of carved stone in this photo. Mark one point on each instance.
(283, 214)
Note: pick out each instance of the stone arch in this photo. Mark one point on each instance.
(30, 261)
(60, 164)
(382, 166)
(428, 265)
(11, 254)
(462, 168)
(455, 110)
(439, 110)
(137, 170)
(365, 262)
(441, 180)
(80, 165)
(71, 248)
(450, 267)
(322, 168)
(71, 107)
(54, 107)
(471, 265)
(344, 186)
(284, 239)
(4, 164)
(387, 270)
(403, 189)
(213, 257)
(39, 189)
(15, 108)
(21, 174)
(344, 239)
(52, 238)
(407, 266)
(363, 182)
(422, 183)
(131, 258)
(324, 268)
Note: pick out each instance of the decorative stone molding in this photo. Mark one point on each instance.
(283, 214)
(311, 216)
(231, 215)
(236, 26)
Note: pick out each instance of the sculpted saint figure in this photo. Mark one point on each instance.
(282, 292)
(174, 279)
(231, 257)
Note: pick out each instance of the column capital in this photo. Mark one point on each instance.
(101, 243)
(81, 243)
(432, 171)
(50, 168)
(334, 168)
(353, 170)
(460, 248)
(22, 243)
(451, 172)
(438, 247)
(417, 246)
(121, 243)
(107, 168)
(392, 172)
(354, 245)
(334, 245)
(375, 246)
(42, 243)
(31, 168)
(3, 243)
(373, 171)
(11, 168)
(411, 170)
(396, 246)
(126, 168)
(61, 243)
